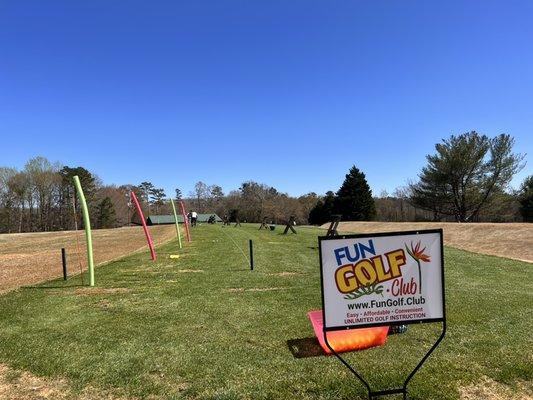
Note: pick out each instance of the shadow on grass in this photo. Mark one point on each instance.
(305, 348)
(53, 287)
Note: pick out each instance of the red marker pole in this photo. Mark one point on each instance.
(145, 228)
(185, 221)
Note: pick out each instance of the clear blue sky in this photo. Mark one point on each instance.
(288, 93)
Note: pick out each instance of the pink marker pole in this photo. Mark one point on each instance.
(145, 228)
(185, 221)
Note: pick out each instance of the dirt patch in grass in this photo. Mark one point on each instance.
(30, 258)
(20, 385)
(510, 240)
(172, 386)
(284, 273)
(104, 304)
(255, 289)
(93, 291)
(488, 389)
(190, 270)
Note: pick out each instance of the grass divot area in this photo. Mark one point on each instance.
(93, 291)
(190, 270)
(21, 385)
(267, 289)
(154, 331)
(488, 389)
(285, 273)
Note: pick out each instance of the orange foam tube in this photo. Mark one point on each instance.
(348, 340)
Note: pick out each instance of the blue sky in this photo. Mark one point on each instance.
(288, 93)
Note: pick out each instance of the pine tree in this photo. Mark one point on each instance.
(216, 192)
(106, 214)
(316, 214)
(354, 198)
(67, 193)
(323, 210)
(465, 175)
(146, 188)
(178, 194)
(526, 199)
(157, 198)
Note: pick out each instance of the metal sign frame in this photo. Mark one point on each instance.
(403, 390)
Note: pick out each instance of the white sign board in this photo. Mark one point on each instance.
(382, 279)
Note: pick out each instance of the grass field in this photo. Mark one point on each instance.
(205, 327)
(29, 258)
(509, 240)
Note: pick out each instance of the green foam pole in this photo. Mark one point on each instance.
(87, 224)
(176, 221)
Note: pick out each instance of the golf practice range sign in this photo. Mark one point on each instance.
(382, 279)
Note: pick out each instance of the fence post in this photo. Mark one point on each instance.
(64, 260)
(251, 255)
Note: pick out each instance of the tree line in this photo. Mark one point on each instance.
(41, 197)
(465, 180)
(251, 202)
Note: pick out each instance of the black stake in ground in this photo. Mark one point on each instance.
(251, 255)
(290, 225)
(64, 260)
(332, 230)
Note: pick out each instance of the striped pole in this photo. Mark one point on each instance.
(176, 221)
(87, 225)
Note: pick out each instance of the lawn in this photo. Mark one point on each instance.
(204, 326)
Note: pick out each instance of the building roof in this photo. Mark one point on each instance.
(163, 219)
(169, 219)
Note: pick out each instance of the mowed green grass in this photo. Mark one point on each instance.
(214, 335)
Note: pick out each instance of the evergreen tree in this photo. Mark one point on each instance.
(145, 188)
(526, 199)
(465, 175)
(316, 214)
(106, 214)
(323, 210)
(216, 192)
(233, 215)
(68, 192)
(157, 198)
(87, 180)
(329, 205)
(178, 194)
(354, 198)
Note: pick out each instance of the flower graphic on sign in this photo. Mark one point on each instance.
(418, 255)
(364, 291)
